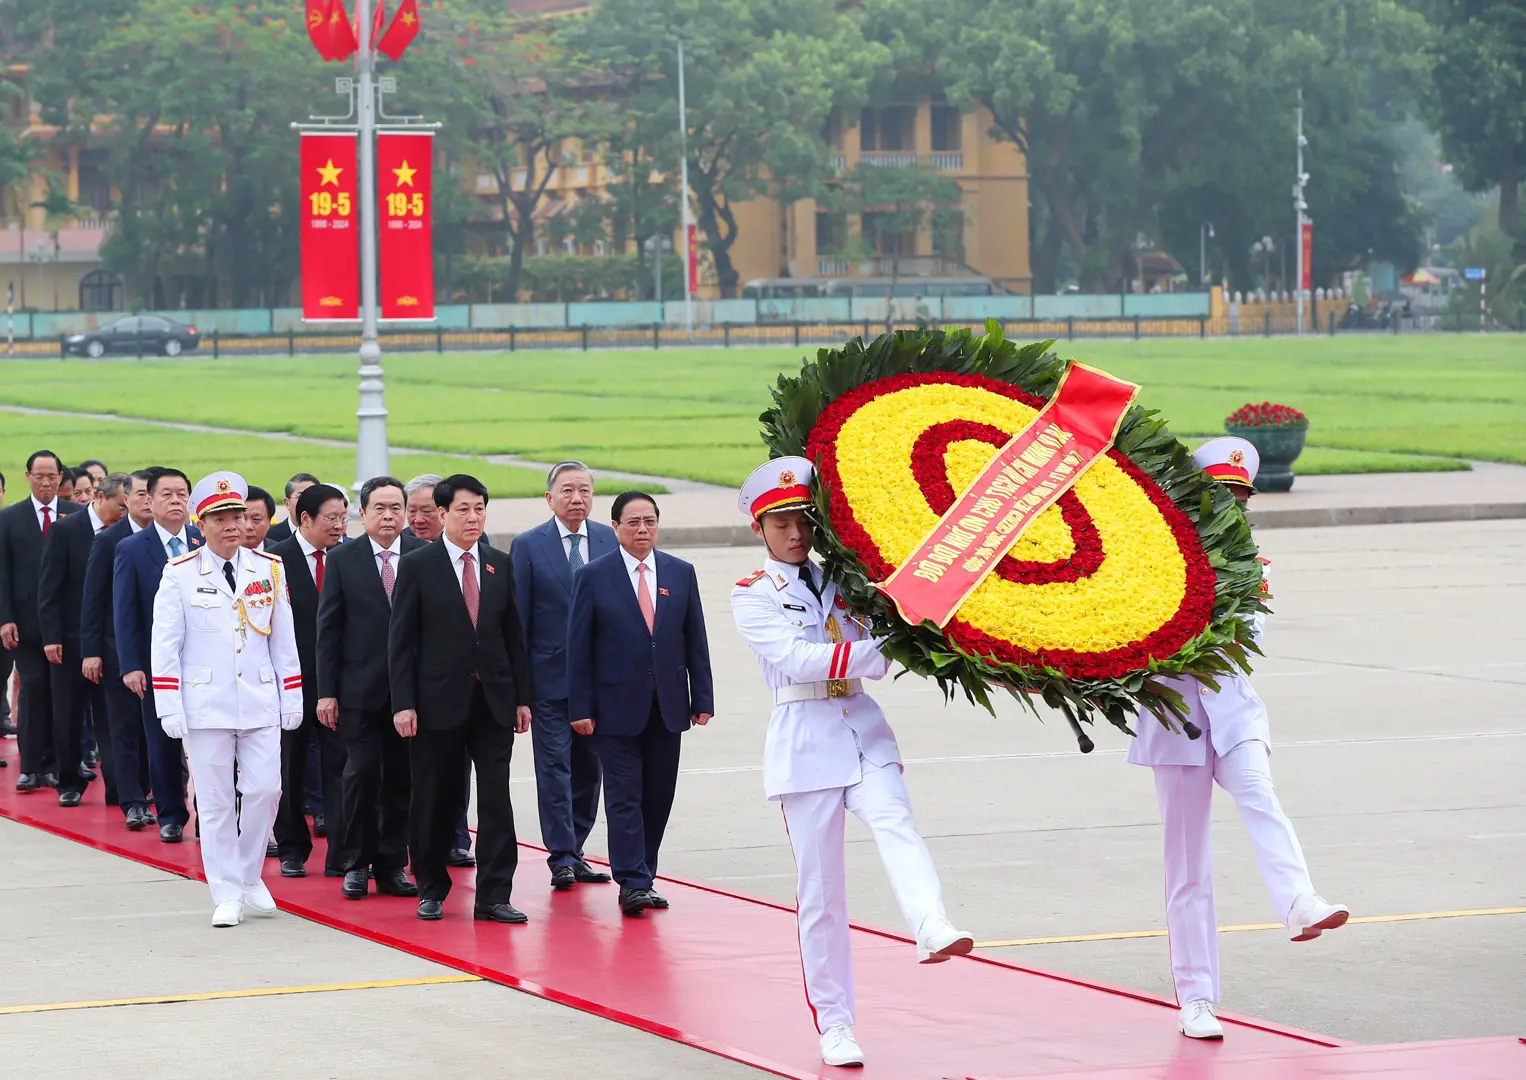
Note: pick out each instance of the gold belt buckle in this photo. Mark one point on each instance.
(837, 688)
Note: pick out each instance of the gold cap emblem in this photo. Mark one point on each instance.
(223, 487)
(1237, 457)
(786, 479)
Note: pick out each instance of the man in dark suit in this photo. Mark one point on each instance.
(261, 508)
(460, 683)
(7, 666)
(60, 605)
(355, 699)
(23, 527)
(285, 528)
(98, 647)
(138, 567)
(566, 766)
(638, 674)
(321, 516)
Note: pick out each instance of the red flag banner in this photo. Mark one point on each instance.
(378, 21)
(330, 228)
(1307, 240)
(342, 40)
(406, 248)
(691, 246)
(318, 27)
(405, 26)
(1023, 480)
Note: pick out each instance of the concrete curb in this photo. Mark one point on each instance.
(703, 536)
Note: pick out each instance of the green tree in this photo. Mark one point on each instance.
(19, 162)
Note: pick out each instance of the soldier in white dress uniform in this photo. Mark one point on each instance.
(226, 680)
(828, 751)
(1234, 750)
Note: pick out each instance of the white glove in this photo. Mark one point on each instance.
(174, 726)
(291, 721)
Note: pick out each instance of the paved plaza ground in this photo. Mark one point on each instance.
(1395, 672)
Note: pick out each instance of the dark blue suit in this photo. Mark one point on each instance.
(566, 766)
(98, 637)
(137, 570)
(640, 687)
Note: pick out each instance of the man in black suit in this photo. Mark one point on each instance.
(294, 489)
(261, 508)
(638, 674)
(566, 766)
(321, 519)
(23, 527)
(355, 699)
(98, 647)
(60, 606)
(460, 683)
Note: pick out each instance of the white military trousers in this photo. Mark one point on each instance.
(233, 832)
(1186, 810)
(814, 820)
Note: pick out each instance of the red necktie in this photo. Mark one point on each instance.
(47, 520)
(389, 575)
(318, 573)
(469, 591)
(644, 598)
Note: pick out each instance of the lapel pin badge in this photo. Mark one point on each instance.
(489, 568)
(662, 592)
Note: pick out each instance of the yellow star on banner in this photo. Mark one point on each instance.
(330, 173)
(408, 18)
(404, 174)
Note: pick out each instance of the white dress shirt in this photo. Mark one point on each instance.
(134, 526)
(95, 519)
(564, 532)
(52, 508)
(307, 554)
(455, 560)
(650, 562)
(396, 551)
(165, 536)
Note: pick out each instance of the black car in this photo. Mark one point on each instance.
(135, 334)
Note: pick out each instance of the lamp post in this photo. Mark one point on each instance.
(371, 416)
(1300, 208)
(683, 174)
(1203, 233)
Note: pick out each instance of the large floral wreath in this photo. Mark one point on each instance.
(1143, 569)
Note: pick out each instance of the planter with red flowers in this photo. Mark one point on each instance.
(1277, 432)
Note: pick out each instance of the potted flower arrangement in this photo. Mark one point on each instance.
(1277, 432)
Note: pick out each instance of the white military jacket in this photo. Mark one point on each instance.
(1234, 715)
(812, 745)
(225, 658)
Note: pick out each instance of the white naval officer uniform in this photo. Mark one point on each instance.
(828, 751)
(226, 679)
(1234, 750)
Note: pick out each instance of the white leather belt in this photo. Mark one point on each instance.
(818, 691)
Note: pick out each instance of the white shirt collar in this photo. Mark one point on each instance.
(52, 506)
(564, 532)
(165, 536)
(456, 552)
(631, 562)
(95, 519)
(133, 527)
(307, 549)
(396, 547)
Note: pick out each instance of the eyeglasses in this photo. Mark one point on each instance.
(634, 523)
(332, 519)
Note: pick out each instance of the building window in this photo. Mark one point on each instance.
(886, 129)
(831, 232)
(100, 291)
(946, 127)
(883, 240)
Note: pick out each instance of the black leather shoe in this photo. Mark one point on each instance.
(50, 779)
(137, 819)
(658, 902)
(504, 913)
(7, 727)
(634, 901)
(394, 883)
(68, 798)
(355, 885)
(587, 875)
(459, 856)
(329, 871)
(86, 772)
(320, 827)
(563, 878)
(431, 910)
(293, 868)
(171, 834)
(272, 851)
(28, 781)
(92, 759)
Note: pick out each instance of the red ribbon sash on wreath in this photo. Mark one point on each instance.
(1023, 480)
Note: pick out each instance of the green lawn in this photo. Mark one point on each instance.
(1376, 404)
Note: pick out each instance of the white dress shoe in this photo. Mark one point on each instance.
(228, 913)
(937, 940)
(1311, 915)
(258, 900)
(1198, 1022)
(839, 1047)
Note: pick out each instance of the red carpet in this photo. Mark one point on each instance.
(721, 972)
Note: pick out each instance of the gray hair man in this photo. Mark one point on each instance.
(425, 519)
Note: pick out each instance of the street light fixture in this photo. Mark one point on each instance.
(1204, 233)
(1300, 211)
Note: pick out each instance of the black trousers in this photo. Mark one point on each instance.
(129, 751)
(371, 831)
(293, 837)
(640, 778)
(436, 802)
(166, 768)
(34, 724)
(67, 686)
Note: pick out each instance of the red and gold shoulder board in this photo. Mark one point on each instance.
(178, 559)
(754, 576)
(1263, 562)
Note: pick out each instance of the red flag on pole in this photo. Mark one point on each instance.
(342, 41)
(405, 26)
(330, 244)
(378, 21)
(318, 27)
(405, 246)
